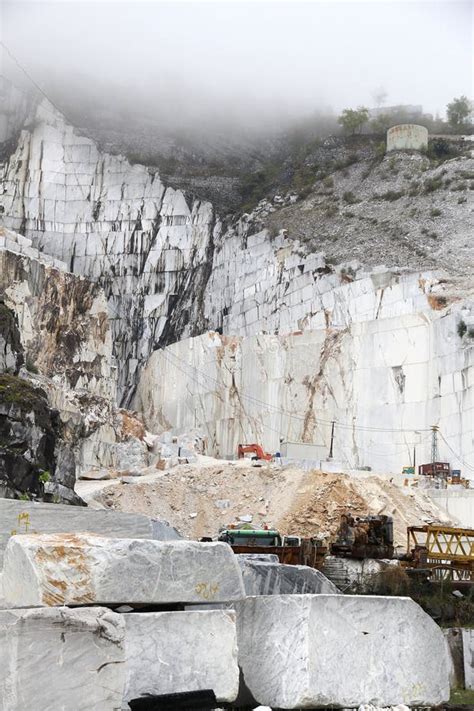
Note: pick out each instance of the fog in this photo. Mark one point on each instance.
(255, 63)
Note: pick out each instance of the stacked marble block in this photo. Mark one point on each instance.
(61, 592)
(294, 650)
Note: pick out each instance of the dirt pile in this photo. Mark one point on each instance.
(197, 500)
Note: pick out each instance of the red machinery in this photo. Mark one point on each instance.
(254, 449)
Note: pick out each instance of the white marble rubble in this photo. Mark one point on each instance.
(61, 659)
(305, 651)
(175, 652)
(75, 569)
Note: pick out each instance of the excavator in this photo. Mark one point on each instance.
(254, 449)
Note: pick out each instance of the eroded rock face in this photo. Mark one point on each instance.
(78, 569)
(62, 321)
(82, 650)
(32, 452)
(106, 218)
(306, 651)
(176, 652)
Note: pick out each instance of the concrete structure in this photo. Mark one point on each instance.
(407, 136)
(305, 651)
(61, 659)
(175, 652)
(74, 569)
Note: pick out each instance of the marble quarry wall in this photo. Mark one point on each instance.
(384, 381)
(107, 218)
(303, 342)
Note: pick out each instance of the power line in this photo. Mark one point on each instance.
(170, 356)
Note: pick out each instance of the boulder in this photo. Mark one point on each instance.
(273, 578)
(305, 651)
(176, 652)
(69, 569)
(27, 517)
(61, 659)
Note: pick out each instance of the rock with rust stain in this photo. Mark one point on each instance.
(307, 651)
(169, 652)
(82, 569)
(61, 659)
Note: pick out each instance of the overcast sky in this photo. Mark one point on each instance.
(249, 58)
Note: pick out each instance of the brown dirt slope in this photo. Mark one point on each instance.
(198, 500)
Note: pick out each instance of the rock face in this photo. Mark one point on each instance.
(307, 651)
(32, 453)
(82, 650)
(175, 652)
(63, 328)
(272, 578)
(170, 269)
(68, 569)
(413, 368)
(21, 517)
(106, 218)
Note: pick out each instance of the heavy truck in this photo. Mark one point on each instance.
(291, 550)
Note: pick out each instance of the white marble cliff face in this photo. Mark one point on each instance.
(109, 219)
(374, 350)
(402, 373)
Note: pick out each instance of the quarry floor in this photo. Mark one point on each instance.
(200, 498)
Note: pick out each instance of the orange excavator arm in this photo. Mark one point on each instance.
(256, 449)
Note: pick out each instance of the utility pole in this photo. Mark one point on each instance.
(332, 440)
(434, 444)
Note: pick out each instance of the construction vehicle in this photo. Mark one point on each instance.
(254, 449)
(445, 551)
(291, 550)
(364, 537)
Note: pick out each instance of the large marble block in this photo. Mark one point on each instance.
(174, 652)
(27, 517)
(272, 578)
(305, 651)
(68, 569)
(61, 660)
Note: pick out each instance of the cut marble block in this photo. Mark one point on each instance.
(28, 517)
(61, 660)
(305, 651)
(174, 652)
(68, 569)
(272, 578)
